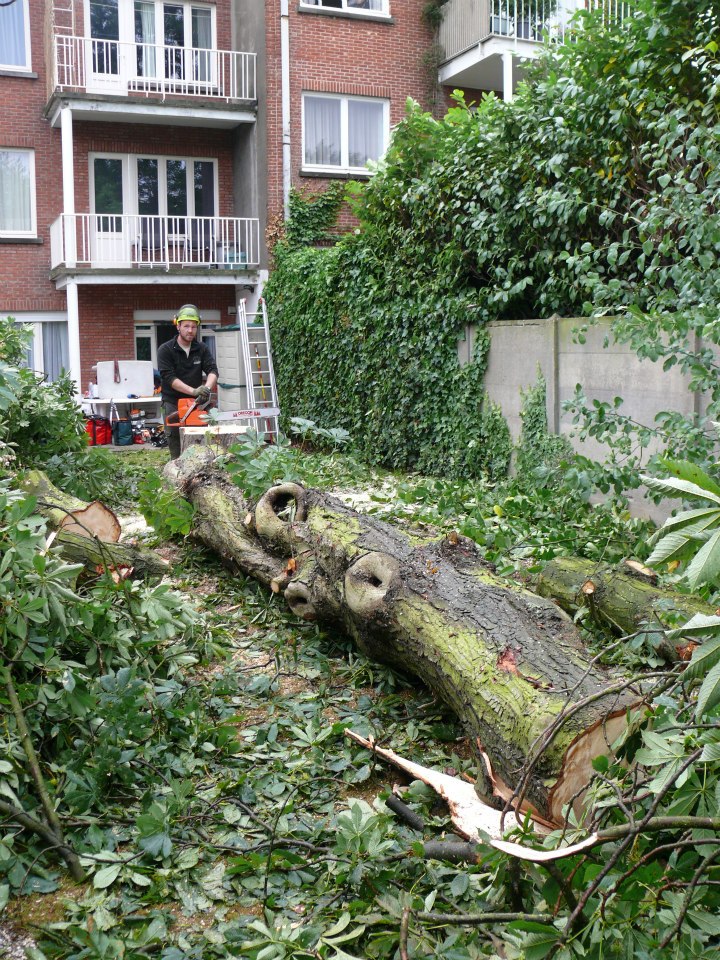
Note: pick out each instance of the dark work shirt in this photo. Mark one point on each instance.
(175, 364)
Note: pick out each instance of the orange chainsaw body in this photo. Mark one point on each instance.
(189, 414)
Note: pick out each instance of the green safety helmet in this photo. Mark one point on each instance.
(187, 312)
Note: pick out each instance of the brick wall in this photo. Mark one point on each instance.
(106, 316)
(24, 267)
(342, 54)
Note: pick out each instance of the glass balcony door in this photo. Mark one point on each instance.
(176, 205)
(174, 42)
(152, 210)
(149, 41)
(110, 240)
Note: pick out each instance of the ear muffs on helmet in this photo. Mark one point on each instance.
(187, 312)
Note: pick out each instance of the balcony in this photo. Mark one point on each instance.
(121, 69)
(475, 34)
(137, 245)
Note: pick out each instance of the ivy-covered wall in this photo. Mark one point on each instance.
(595, 190)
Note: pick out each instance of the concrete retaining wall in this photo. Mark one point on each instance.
(604, 369)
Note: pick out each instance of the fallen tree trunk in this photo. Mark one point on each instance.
(509, 663)
(120, 559)
(88, 533)
(62, 510)
(620, 599)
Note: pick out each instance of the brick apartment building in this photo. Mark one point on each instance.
(146, 145)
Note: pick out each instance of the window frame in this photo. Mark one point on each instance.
(27, 66)
(36, 322)
(130, 181)
(32, 231)
(126, 22)
(344, 166)
(346, 8)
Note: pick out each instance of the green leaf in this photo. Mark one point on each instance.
(703, 659)
(680, 488)
(108, 875)
(538, 945)
(698, 624)
(705, 566)
(711, 753)
(673, 546)
(460, 885)
(709, 695)
(684, 519)
(684, 470)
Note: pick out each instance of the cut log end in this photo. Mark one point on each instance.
(577, 770)
(299, 598)
(95, 520)
(276, 511)
(368, 582)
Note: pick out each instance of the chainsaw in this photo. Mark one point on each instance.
(193, 413)
(189, 413)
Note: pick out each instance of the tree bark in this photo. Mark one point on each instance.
(509, 663)
(62, 510)
(620, 599)
(89, 533)
(120, 559)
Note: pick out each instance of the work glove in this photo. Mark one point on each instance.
(202, 393)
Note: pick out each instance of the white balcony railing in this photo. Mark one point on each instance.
(111, 66)
(468, 22)
(133, 241)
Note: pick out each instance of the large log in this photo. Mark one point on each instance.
(89, 533)
(509, 663)
(63, 511)
(621, 599)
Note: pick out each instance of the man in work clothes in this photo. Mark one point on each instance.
(182, 362)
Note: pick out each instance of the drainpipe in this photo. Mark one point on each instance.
(68, 182)
(285, 85)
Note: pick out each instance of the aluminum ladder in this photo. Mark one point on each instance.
(259, 372)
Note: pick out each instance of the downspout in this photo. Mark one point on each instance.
(70, 243)
(285, 86)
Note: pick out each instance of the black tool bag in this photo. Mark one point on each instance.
(122, 431)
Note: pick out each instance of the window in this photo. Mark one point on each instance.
(174, 41)
(17, 193)
(176, 188)
(351, 6)
(105, 33)
(152, 186)
(48, 351)
(15, 36)
(343, 133)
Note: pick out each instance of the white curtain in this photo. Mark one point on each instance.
(15, 198)
(322, 131)
(202, 40)
(365, 131)
(12, 35)
(145, 34)
(56, 356)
